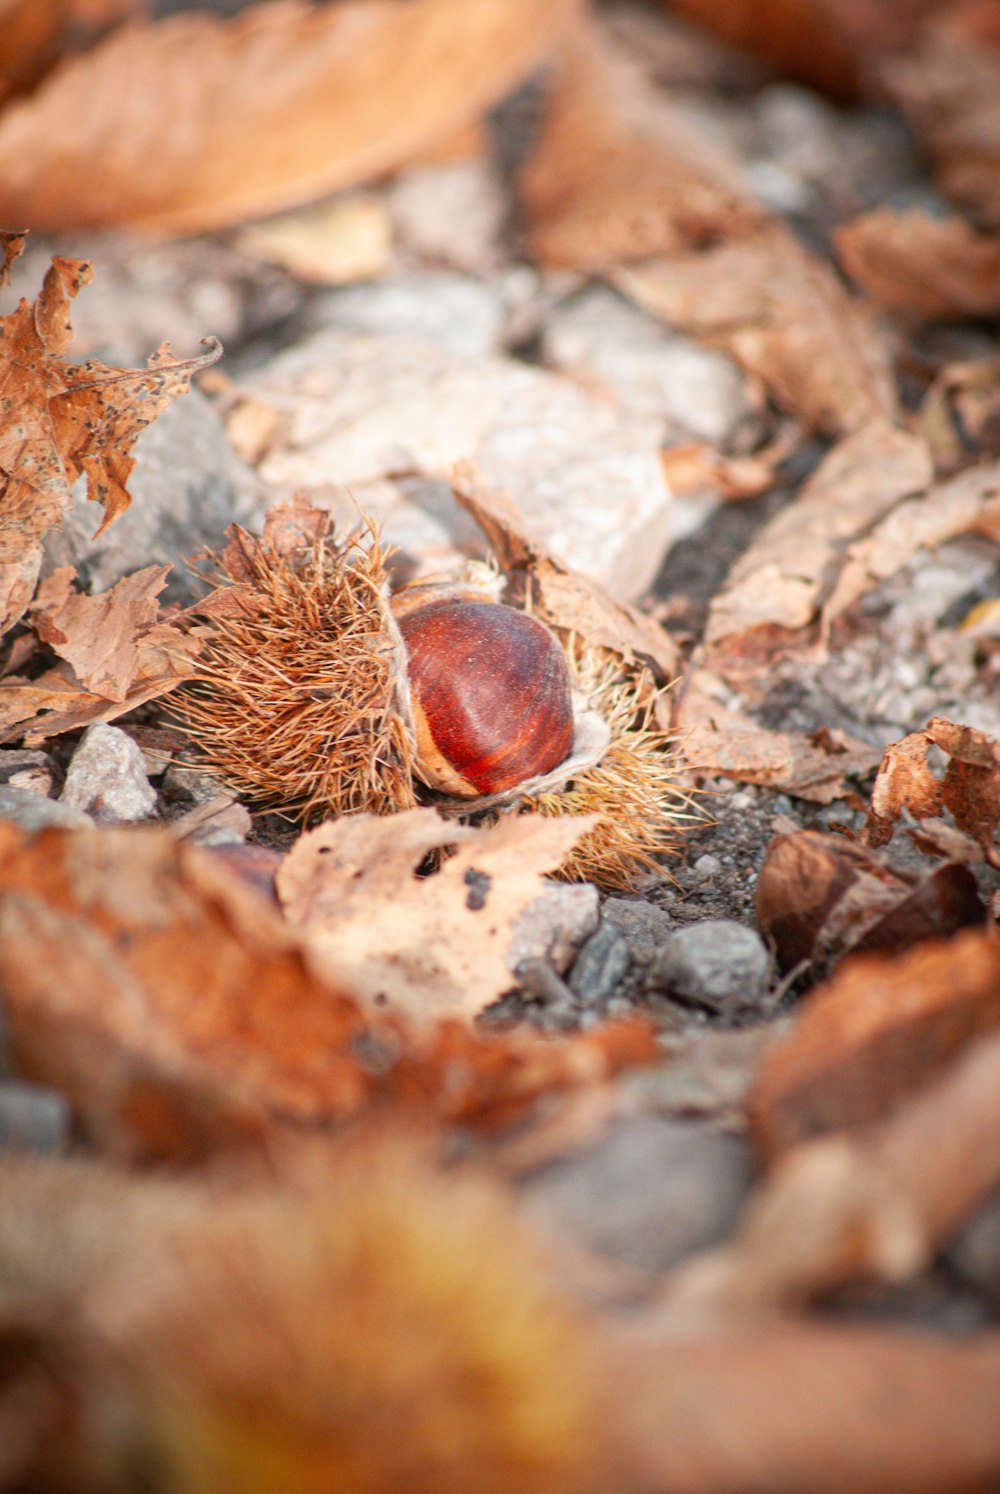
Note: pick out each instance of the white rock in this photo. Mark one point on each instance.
(106, 776)
(610, 345)
(344, 408)
(463, 315)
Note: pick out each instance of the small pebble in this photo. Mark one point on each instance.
(642, 924)
(716, 964)
(707, 867)
(554, 925)
(106, 776)
(602, 962)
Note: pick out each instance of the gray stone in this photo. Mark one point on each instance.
(716, 964)
(33, 1118)
(607, 343)
(344, 409)
(554, 925)
(106, 776)
(451, 310)
(29, 810)
(599, 967)
(652, 1191)
(643, 924)
(28, 769)
(187, 487)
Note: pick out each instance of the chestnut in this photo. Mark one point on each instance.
(491, 696)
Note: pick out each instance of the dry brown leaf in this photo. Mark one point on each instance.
(872, 1035)
(716, 738)
(826, 43)
(99, 635)
(821, 897)
(784, 575)
(969, 788)
(119, 650)
(36, 33)
(695, 466)
(62, 419)
(947, 85)
(785, 1407)
(173, 1005)
(618, 174)
(964, 503)
(873, 1206)
(279, 104)
(426, 947)
(937, 269)
(785, 317)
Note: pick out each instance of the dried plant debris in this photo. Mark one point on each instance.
(302, 701)
(618, 173)
(281, 103)
(785, 1404)
(63, 419)
(821, 897)
(932, 269)
(115, 651)
(969, 789)
(182, 1016)
(37, 33)
(873, 1205)
(881, 1027)
(783, 314)
(945, 83)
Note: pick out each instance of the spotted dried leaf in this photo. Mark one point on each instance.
(969, 787)
(117, 650)
(62, 419)
(431, 946)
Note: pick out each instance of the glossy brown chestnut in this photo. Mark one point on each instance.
(491, 696)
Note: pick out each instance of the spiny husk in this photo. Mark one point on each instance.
(635, 788)
(296, 700)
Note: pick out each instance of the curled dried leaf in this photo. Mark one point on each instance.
(821, 897)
